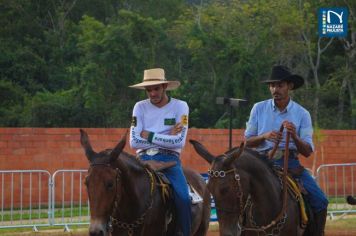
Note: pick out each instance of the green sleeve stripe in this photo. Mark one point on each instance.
(150, 137)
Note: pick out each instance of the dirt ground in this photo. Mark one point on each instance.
(327, 233)
(343, 227)
(340, 227)
(210, 233)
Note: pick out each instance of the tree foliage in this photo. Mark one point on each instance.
(69, 63)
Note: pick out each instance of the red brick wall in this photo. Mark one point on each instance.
(53, 149)
(59, 148)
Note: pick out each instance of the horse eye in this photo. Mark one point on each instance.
(224, 190)
(110, 185)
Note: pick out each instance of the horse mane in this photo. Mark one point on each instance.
(132, 161)
(252, 153)
(255, 163)
(260, 157)
(134, 164)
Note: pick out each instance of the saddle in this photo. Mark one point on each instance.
(296, 190)
(164, 183)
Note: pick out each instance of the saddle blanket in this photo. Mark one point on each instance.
(194, 195)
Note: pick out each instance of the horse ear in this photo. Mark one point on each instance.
(84, 140)
(202, 151)
(118, 149)
(235, 155)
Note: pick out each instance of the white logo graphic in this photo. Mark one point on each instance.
(335, 13)
(333, 21)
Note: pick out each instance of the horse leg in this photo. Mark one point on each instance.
(202, 229)
(201, 212)
(204, 216)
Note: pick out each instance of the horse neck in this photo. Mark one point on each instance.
(136, 185)
(265, 190)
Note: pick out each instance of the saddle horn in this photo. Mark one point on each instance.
(202, 151)
(85, 142)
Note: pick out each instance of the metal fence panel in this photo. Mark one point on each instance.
(25, 198)
(337, 182)
(70, 204)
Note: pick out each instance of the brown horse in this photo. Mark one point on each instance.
(127, 197)
(248, 195)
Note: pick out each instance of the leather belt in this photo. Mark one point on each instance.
(155, 151)
(293, 154)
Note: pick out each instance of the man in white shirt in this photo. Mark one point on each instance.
(158, 132)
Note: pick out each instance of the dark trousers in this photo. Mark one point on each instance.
(315, 197)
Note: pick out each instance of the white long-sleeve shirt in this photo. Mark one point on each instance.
(159, 121)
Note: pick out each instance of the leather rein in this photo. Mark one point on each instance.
(130, 227)
(281, 217)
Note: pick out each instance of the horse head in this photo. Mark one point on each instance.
(103, 183)
(247, 194)
(225, 186)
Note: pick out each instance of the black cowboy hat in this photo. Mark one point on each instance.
(282, 73)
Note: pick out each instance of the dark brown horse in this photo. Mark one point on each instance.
(248, 195)
(126, 196)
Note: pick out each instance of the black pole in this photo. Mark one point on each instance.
(231, 102)
(230, 129)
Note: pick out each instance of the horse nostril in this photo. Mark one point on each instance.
(96, 233)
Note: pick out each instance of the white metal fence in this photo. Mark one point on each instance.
(25, 198)
(70, 204)
(35, 198)
(338, 181)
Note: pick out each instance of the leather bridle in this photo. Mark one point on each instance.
(129, 226)
(276, 224)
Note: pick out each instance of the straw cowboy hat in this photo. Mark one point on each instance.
(282, 73)
(153, 77)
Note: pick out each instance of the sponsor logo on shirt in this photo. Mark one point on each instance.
(184, 120)
(134, 121)
(170, 121)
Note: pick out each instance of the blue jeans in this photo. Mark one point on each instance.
(315, 197)
(180, 190)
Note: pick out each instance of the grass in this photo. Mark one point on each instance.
(52, 231)
(339, 222)
(16, 215)
(346, 223)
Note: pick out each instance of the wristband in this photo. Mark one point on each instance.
(150, 136)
